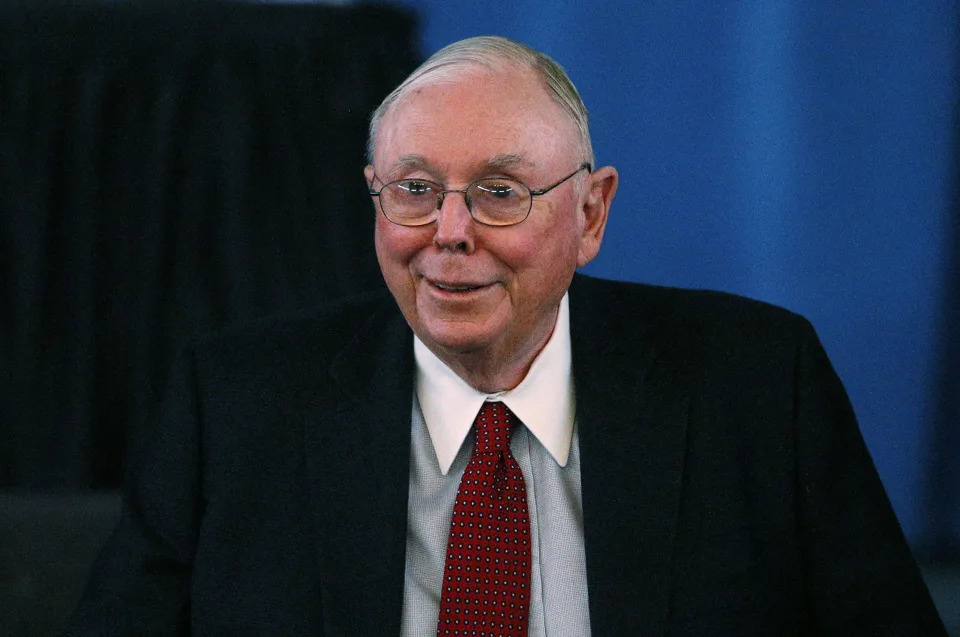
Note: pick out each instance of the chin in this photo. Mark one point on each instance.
(455, 338)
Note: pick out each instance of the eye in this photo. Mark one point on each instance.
(497, 189)
(414, 187)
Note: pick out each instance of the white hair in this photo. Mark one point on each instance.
(492, 52)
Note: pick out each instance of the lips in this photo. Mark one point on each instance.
(457, 286)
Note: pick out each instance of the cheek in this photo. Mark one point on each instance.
(396, 248)
(539, 269)
(545, 262)
(390, 242)
(381, 244)
(553, 247)
(390, 258)
(393, 267)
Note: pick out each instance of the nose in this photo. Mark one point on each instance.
(455, 229)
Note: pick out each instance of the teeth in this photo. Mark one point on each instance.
(456, 288)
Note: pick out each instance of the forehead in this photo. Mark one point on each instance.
(467, 117)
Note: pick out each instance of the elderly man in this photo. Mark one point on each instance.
(518, 450)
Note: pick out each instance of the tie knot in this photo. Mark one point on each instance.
(493, 424)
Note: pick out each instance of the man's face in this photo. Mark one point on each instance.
(464, 288)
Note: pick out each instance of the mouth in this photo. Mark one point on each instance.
(457, 288)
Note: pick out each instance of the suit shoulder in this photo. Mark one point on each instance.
(705, 314)
(322, 329)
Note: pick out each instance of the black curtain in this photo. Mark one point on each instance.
(164, 170)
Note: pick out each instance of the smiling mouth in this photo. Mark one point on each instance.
(447, 287)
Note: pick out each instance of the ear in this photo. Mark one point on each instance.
(595, 206)
(368, 174)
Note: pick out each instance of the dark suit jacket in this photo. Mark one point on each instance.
(726, 488)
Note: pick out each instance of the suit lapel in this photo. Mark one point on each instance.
(632, 408)
(357, 452)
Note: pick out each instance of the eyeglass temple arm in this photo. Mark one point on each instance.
(370, 190)
(543, 191)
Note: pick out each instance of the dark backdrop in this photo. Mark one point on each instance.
(166, 169)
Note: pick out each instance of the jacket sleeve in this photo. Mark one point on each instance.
(860, 576)
(139, 584)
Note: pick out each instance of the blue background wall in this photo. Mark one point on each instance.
(800, 153)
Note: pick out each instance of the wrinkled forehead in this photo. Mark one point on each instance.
(507, 81)
(471, 107)
(454, 71)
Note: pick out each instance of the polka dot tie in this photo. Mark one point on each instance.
(486, 579)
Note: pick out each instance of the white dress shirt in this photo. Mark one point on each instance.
(546, 448)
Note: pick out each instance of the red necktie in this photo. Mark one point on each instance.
(486, 579)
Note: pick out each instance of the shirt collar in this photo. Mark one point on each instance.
(544, 400)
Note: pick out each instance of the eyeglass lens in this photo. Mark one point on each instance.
(492, 201)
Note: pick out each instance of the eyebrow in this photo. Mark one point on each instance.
(509, 160)
(409, 162)
(497, 162)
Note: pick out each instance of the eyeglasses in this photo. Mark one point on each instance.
(493, 201)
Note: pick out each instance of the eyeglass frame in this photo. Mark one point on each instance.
(443, 192)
